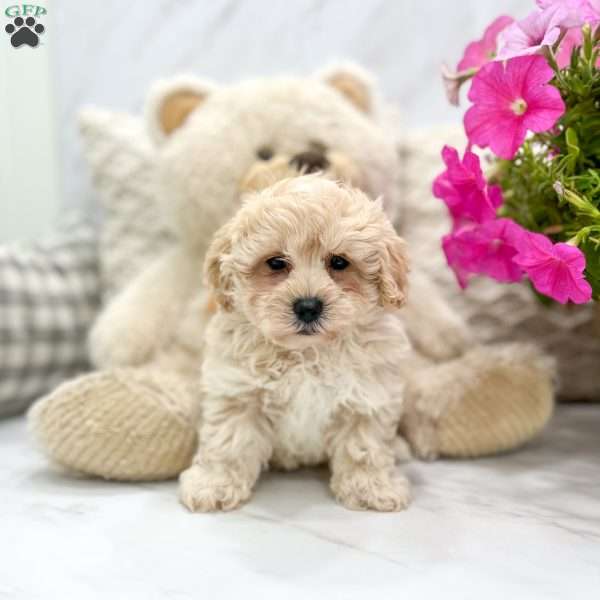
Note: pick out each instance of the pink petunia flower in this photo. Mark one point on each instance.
(576, 12)
(543, 27)
(538, 29)
(510, 99)
(464, 189)
(556, 270)
(486, 249)
(480, 52)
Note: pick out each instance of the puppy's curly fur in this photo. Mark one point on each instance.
(290, 388)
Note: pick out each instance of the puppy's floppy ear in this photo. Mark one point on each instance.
(171, 101)
(216, 273)
(352, 82)
(393, 273)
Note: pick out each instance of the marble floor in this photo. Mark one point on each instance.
(521, 526)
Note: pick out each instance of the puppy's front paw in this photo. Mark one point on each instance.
(211, 488)
(363, 490)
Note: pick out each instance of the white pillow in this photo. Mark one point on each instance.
(122, 163)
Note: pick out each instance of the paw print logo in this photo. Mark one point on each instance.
(24, 31)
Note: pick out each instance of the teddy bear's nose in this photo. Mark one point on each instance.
(310, 161)
(308, 310)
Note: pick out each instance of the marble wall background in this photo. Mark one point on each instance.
(29, 166)
(108, 51)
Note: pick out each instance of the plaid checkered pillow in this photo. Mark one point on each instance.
(49, 295)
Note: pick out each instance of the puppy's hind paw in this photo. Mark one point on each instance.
(362, 490)
(210, 489)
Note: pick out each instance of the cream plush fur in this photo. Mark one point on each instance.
(279, 390)
(134, 418)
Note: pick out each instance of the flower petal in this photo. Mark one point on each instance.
(544, 107)
(525, 73)
(489, 86)
(463, 188)
(500, 130)
(486, 249)
(480, 52)
(555, 270)
(538, 29)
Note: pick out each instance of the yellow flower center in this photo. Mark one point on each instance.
(519, 106)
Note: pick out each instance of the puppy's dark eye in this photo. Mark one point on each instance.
(338, 263)
(265, 153)
(277, 263)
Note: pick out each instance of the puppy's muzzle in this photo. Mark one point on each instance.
(308, 310)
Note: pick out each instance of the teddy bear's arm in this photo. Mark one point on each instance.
(435, 329)
(144, 315)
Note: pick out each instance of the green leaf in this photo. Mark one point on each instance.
(572, 149)
(572, 142)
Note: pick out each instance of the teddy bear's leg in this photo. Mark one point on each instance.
(491, 399)
(124, 424)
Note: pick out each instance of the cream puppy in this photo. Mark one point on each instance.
(302, 356)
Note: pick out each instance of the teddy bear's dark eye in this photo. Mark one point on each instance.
(338, 263)
(277, 263)
(265, 153)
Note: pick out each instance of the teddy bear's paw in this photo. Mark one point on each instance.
(424, 447)
(363, 489)
(442, 340)
(115, 348)
(204, 488)
(125, 424)
(420, 432)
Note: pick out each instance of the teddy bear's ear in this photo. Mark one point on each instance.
(353, 82)
(171, 101)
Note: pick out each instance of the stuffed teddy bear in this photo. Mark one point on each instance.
(135, 417)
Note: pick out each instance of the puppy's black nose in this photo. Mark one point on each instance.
(310, 161)
(308, 310)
